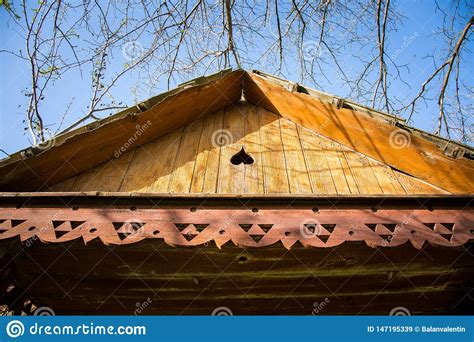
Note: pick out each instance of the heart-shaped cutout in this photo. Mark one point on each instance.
(241, 157)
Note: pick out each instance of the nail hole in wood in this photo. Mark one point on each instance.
(242, 259)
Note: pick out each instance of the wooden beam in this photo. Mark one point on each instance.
(206, 200)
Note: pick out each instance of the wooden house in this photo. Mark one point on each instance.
(242, 193)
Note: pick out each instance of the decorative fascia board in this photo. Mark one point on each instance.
(243, 227)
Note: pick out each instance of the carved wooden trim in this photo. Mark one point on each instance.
(243, 227)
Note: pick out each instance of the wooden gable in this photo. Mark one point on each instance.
(287, 159)
(303, 141)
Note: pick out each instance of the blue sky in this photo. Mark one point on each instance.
(412, 40)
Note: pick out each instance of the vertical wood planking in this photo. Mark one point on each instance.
(212, 167)
(168, 151)
(416, 186)
(107, 176)
(65, 185)
(296, 166)
(288, 158)
(273, 157)
(399, 189)
(335, 166)
(232, 177)
(346, 169)
(318, 168)
(362, 133)
(254, 172)
(180, 179)
(363, 174)
(386, 179)
(152, 164)
(204, 149)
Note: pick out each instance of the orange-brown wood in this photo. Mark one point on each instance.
(288, 158)
(231, 178)
(253, 144)
(295, 161)
(275, 173)
(145, 172)
(183, 169)
(299, 145)
(420, 157)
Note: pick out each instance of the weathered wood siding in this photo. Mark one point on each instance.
(288, 158)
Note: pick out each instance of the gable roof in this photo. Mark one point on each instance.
(378, 135)
(202, 157)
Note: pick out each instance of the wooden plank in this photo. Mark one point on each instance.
(205, 146)
(363, 174)
(387, 180)
(152, 164)
(106, 177)
(351, 183)
(335, 166)
(310, 161)
(317, 164)
(212, 168)
(183, 167)
(231, 177)
(66, 185)
(295, 162)
(257, 284)
(273, 157)
(254, 180)
(415, 186)
(419, 157)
